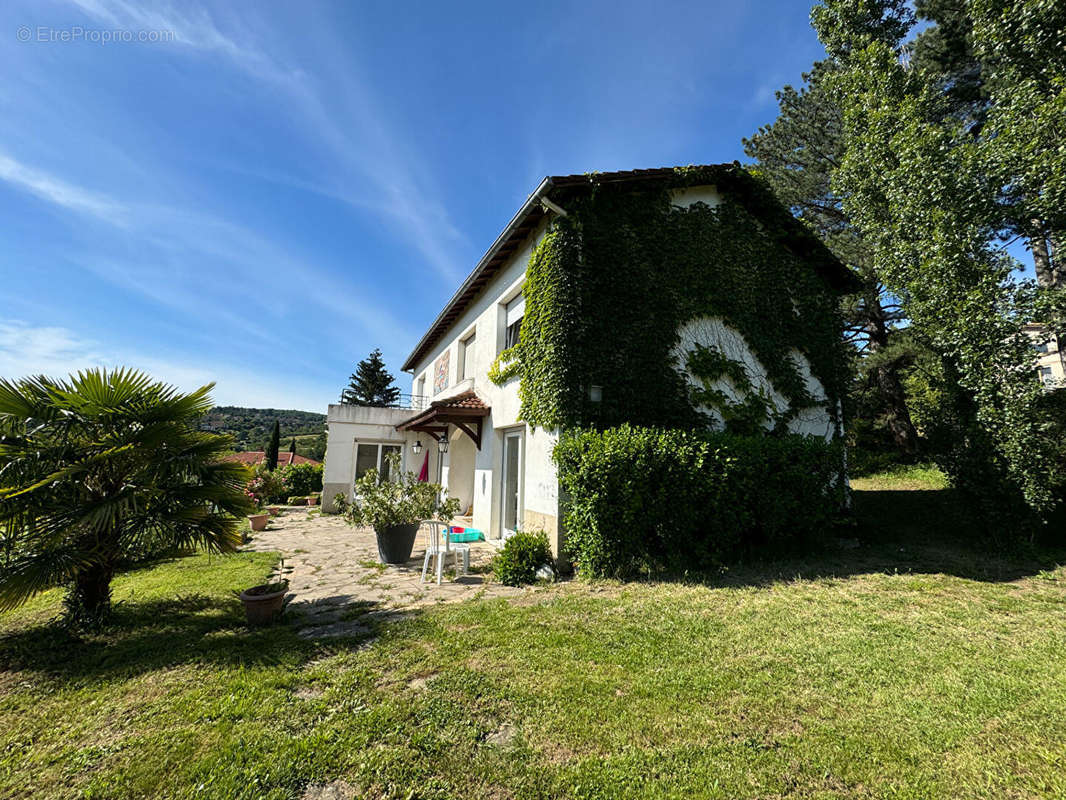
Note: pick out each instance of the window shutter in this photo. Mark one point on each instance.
(516, 309)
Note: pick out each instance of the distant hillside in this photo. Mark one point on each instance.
(251, 428)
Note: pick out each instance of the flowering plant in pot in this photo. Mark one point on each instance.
(263, 488)
(395, 507)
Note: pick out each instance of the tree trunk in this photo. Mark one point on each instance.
(1046, 273)
(92, 591)
(1057, 239)
(896, 414)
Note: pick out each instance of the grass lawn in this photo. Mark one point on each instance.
(913, 663)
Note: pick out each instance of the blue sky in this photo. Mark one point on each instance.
(274, 190)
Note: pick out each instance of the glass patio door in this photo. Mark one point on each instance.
(373, 455)
(512, 469)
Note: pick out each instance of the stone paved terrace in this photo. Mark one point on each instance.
(335, 579)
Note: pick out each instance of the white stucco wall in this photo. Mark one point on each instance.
(486, 319)
(349, 425)
(683, 198)
(460, 460)
(712, 332)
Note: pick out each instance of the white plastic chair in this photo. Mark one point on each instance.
(435, 549)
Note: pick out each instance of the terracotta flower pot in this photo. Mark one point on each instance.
(274, 510)
(258, 521)
(263, 604)
(396, 542)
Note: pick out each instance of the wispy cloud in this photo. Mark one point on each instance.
(61, 193)
(57, 352)
(190, 26)
(374, 170)
(169, 244)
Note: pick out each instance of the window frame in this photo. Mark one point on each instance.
(514, 311)
(379, 458)
(464, 368)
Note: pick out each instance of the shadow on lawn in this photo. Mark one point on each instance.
(148, 636)
(927, 531)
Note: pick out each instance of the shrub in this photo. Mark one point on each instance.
(521, 556)
(266, 486)
(303, 478)
(644, 500)
(400, 500)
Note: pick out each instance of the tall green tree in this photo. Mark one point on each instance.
(930, 192)
(797, 154)
(372, 384)
(101, 466)
(272, 447)
(1021, 47)
(996, 63)
(292, 446)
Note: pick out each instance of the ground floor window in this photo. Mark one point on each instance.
(373, 455)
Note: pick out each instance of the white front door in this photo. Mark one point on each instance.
(512, 483)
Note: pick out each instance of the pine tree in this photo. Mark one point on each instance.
(372, 384)
(797, 155)
(936, 180)
(272, 447)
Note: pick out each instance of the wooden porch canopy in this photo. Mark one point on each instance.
(465, 411)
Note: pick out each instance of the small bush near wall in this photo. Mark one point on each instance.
(647, 500)
(303, 478)
(521, 556)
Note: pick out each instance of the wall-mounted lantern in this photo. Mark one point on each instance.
(417, 446)
(442, 443)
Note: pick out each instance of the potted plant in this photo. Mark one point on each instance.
(259, 520)
(274, 511)
(395, 508)
(263, 488)
(263, 604)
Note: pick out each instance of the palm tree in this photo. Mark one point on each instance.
(102, 465)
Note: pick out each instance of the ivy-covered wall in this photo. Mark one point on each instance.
(612, 283)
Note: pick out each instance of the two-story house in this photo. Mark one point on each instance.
(646, 324)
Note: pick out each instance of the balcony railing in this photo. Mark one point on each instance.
(410, 402)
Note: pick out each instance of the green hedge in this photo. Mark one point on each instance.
(302, 478)
(646, 500)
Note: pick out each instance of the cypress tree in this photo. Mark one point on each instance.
(272, 447)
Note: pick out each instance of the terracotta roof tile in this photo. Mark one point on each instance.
(468, 399)
(254, 457)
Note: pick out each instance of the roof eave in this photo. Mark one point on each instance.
(532, 203)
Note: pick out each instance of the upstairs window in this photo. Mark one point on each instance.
(516, 309)
(466, 357)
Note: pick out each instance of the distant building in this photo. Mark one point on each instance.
(1051, 358)
(253, 457)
